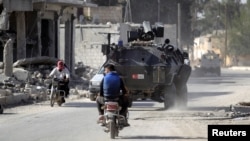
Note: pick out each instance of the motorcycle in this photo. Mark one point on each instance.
(57, 95)
(113, 121)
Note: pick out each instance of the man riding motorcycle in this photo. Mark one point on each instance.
(62, 74)
(110, 88)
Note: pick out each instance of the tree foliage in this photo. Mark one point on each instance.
(230, 15)
(239, 34)
(211, 14)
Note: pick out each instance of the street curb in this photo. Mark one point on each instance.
(240, 68)
(19, 98)
(14, 99)
(242, 109)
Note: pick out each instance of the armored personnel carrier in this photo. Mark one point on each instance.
(210, 63)
(150, 70)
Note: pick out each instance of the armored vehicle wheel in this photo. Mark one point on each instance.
(169, 96)
(92, 97)
(183, 76)
(1, 109)
(218, 70)
(181, 97)
(130, 101)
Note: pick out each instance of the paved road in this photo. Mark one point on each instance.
(209, 101)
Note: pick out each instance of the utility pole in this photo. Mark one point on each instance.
(225, 53)
(128, 13)
(159, 10)
(194, 20)
(179, 26)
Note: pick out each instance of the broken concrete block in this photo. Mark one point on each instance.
(5, 92)
(21, 74)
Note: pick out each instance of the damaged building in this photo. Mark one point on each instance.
(30, 33)
(34, 27)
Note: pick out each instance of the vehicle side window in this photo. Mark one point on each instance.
(101, 71)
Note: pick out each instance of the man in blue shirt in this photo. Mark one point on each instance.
(110, 88)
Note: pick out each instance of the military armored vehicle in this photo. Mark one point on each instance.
(151, 70)
(210, 63)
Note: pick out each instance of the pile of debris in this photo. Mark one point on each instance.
(29, 77)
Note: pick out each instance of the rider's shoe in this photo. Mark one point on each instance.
(126, 124)
(100, 119)
(106, 130)
(63, 100)
(66, 95)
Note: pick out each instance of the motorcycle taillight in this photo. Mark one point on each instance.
(110, 106)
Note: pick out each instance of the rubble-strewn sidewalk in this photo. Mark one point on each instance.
(28, 82)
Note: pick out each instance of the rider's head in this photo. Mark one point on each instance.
(60, 65)
(109, 67)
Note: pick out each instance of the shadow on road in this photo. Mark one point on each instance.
(226, 109)
(80, 104)
(214, 81)
(6, 113)
(193, 95)
(162, 137)
(145, 105)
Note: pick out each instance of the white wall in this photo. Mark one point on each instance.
(89, 38)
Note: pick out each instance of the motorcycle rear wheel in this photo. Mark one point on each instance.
(112, 129)
(59, 100)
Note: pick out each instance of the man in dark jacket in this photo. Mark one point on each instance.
(110, 88)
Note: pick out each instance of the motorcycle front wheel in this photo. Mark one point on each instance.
(52, 98)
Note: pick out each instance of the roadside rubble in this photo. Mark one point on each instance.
(238, 111)
(242, 109)
(28, 83)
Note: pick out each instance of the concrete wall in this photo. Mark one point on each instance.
(88, 41)
(104, 14)
(205, 43)
(89, 38)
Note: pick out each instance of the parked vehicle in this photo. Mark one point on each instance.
(94, 84)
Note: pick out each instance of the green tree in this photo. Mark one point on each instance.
(212, 14)
(206, 16)
(239, 34)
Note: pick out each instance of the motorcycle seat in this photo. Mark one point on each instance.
(109, 99)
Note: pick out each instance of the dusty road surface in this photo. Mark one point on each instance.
(209, 100)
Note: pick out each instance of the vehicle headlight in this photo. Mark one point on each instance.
(95, 83)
